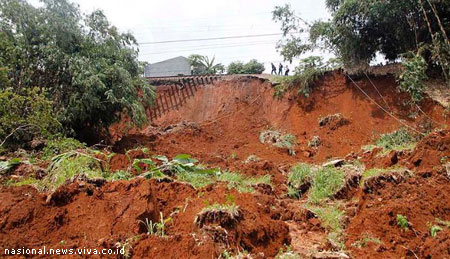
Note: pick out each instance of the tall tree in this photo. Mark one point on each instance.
(359, 29)
(88, 68)
(203, 65)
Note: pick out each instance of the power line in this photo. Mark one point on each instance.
(210, 47)
(208, 39)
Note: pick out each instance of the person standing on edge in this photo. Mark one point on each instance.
(280, 69)
(287, 71)
(274, 69)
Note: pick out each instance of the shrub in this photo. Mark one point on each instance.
(413, 78)
(25, 116)
(60, 145)
(306, 74)
(252, 67)
(69, 165)
(90, 69)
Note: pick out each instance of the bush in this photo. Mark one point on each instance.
(60, 145)
(89, 68)
(252, 67)
(306, 74)
(413, 78)
(26, 116)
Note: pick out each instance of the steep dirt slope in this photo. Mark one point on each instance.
(228, 117)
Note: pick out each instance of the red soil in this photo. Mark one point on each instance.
(220, 126)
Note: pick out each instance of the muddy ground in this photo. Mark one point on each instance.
(220, 125)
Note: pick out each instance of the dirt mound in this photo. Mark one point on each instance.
(433, 150)
(421, 200)
(83, 215)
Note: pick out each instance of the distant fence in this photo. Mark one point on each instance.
(173, 92)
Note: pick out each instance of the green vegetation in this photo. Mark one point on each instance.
(374, 172)
(309, 71)
(365, 240)
(314, 142)
(443, 223)
(274, 137)
(298, 175)
(400, 139)
(203, 65)
(5, 166)
(252, 158)
(157, 228)
(241, 183)
(402, 222)
(332, 219)
(228, 208)
(252, 67)
(358, 30)
(25, 116)
(57, 146)
(434, 230)
(326, 182)
(69, 165)
(68, 70)
(413, 78)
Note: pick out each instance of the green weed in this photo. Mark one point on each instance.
(326, 182)
(403, 222)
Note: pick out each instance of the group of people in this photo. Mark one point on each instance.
(280, 70)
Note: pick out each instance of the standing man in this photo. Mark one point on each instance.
(280, 69)
(287, 71)
(274, 69)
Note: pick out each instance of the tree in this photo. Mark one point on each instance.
(252, 67)
(359, 29)
(203, 65)
(87, 67)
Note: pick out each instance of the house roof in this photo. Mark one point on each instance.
(179, 58)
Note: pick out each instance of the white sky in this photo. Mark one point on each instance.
(152, 20)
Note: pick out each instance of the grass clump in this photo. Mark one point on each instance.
(156, 228)
(252, 158)
(69, 165)
(299, 175)
(434, 230)
(60, 145)
(443, 223)
(366, 240)
(6, 166)
(327, 181)
(374, 172)
(242, 184)
(275, 138)
(398, 140)
(332, 219)
(315, 142)
(402, 222)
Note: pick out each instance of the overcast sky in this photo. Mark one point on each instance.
(159, 20)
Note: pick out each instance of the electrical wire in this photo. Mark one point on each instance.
(208, 39)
